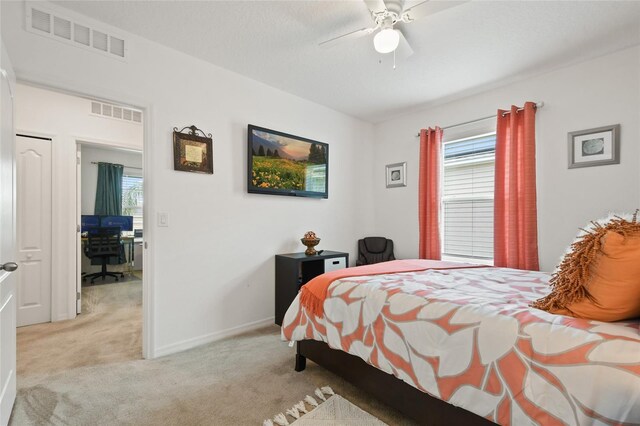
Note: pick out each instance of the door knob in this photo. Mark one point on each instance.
(9, 266)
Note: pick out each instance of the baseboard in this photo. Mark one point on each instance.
(212, 337)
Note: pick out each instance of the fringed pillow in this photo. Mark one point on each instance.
(599, 278)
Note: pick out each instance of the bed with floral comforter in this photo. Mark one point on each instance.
(468, 337)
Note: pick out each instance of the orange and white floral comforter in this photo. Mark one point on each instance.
(468, 337)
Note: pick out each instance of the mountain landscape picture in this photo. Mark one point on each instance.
(285, 163)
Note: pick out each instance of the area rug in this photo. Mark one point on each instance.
(327, 409)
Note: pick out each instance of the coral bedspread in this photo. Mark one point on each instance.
(468, 337)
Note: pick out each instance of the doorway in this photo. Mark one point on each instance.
(120, 275)
(104, 304)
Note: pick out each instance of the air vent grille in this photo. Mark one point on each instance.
(100, 40)
(116, 112)
(62, 28)
(82, 34)
(49, 23)
(41, 21)
(116, 46)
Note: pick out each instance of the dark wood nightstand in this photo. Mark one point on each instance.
(293, 270)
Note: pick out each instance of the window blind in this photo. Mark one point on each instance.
(132, 199)
(468, 186)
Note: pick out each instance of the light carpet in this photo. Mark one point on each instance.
(90, 373)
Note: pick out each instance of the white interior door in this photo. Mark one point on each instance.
(33, 167)
(7, 243)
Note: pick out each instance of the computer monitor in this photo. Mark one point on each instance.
(124, 222)
(89, 222)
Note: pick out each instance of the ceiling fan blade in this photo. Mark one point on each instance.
(404, 50)
(375, 5)
(350, 36)
(426, 8)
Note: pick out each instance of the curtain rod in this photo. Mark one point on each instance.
(537, 105)
(128, 167)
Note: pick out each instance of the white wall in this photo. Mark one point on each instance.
(89, 175)
(67, 119)
(600, 92)
(212, 269)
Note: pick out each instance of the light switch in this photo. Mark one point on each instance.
(163, 219)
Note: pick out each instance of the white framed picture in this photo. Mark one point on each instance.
(594, 147)
(396, 175)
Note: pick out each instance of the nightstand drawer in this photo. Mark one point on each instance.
(335, 263)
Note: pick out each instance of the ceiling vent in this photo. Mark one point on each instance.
(49, 23)
(117, 112)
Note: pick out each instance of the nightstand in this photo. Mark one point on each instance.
(293, 270)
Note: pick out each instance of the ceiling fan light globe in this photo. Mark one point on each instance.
(386, 41)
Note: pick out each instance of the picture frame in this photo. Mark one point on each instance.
(192, 150)
(594, 147)
(396, 174)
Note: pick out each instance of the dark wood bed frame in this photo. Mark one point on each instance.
(413, 403)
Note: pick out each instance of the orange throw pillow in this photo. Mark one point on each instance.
(599, 278)
(614, 287)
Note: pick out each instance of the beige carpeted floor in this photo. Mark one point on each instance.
(88, 371)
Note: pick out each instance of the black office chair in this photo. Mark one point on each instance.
(374, 250)
(103, 244)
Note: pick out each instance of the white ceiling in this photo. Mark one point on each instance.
(457, 51)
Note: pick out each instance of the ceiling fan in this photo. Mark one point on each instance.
(388, 13)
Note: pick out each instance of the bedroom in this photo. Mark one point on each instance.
(212, 269)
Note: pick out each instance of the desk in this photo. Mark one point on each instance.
(128, 242)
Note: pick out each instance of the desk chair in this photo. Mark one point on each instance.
(103, 244)
(374, 250)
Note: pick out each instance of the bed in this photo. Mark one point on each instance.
(462, 346)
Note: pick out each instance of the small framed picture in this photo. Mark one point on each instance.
(191, 152)
(396, 175)
(594, 147)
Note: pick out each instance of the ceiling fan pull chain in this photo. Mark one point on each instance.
(394, 59)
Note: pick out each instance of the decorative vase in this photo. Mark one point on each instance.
(310, 243)
(310, 240)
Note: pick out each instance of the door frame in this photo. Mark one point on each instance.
(101, 144)
(98, 93)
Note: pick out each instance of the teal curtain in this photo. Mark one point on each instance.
(109, 190)
(109, 199)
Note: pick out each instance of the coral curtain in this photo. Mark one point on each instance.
(109, 190)
(429, 193)
(515, 212)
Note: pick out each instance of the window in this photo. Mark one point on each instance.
(467, 198)
(132, 199)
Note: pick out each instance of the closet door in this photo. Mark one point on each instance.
(33, 157)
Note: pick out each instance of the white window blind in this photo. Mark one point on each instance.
(132, 199)
(467, 197)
